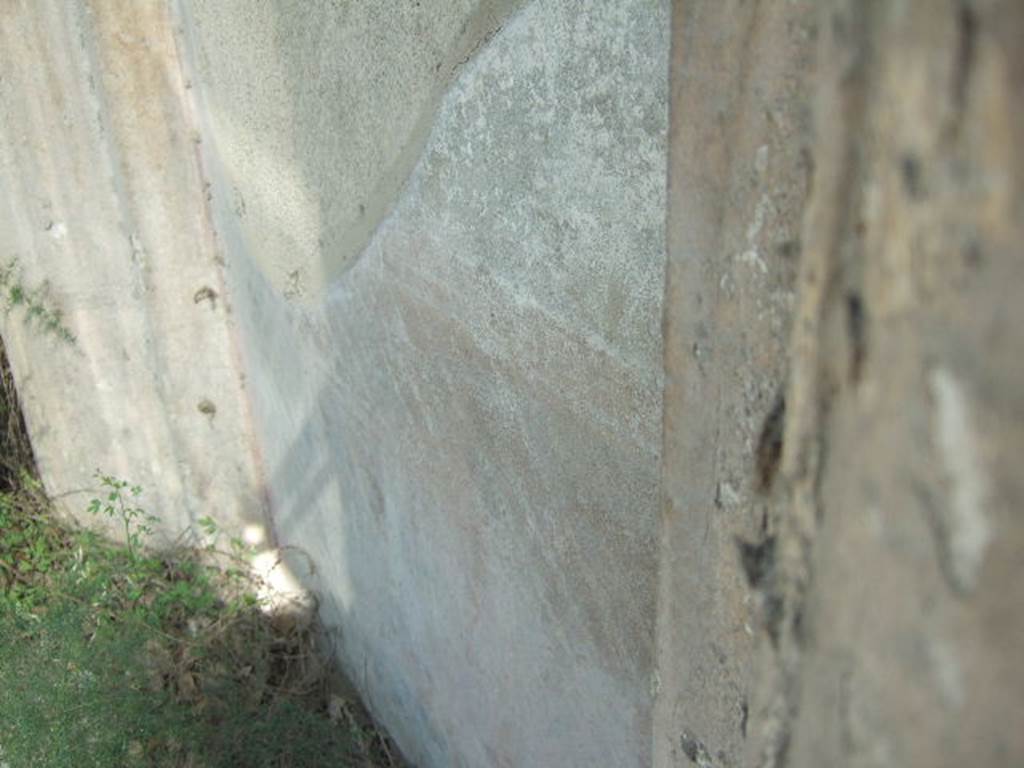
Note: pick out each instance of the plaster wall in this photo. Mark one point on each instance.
(393, 288)
(101, 213)
(461, 422)
(386, 289)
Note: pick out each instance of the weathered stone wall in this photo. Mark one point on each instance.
(897, 557)
(739, 174)
(840, 573)
(391, 288)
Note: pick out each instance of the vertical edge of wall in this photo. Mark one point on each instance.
(104, 203)
(738, 178)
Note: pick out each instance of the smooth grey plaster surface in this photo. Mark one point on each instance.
(321, 109)
(464, 434)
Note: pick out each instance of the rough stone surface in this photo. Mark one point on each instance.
(738, 179)
(897, 564)
(862, 527)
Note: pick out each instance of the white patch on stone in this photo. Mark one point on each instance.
(655, 684)
(727, 495)
(759, 214)
(761, 160)
(965, 527)
(753, 258)
(948, 672)
(750, 256)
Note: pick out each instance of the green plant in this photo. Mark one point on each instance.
(114, 654)
(33, 548)
(120, 505)
(235, 561)
(36, 302)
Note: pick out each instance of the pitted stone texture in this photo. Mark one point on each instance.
(898, 554)
(738, 180)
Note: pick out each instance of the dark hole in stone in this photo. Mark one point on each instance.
(757, 559)
(967, 27)
(972, 254)
(789, 249)
(773, 613)
(910, 170)
(769, 445)
(855, 327)
(799, 627)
